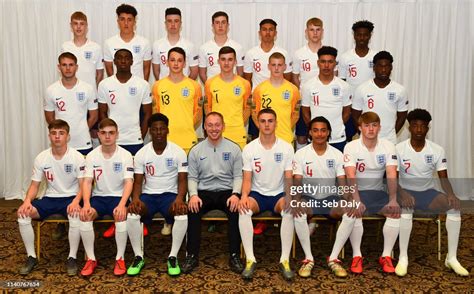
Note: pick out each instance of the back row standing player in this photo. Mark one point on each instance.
(173, 38)
(209, 51)
(87, 52)
(355, 65)
(128, 39)
(256, 59)
(305, 67)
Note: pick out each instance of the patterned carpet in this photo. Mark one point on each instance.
(426, 273)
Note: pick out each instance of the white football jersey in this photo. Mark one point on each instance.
(328, 101)
(109, 174)
(305, 63)
(370, 165)
(139, 46)
(319, 170)
(256, 63)
(89, 59)
(61, 175)
(386, 102)
(209, 56)
(72, 105)
(160, 55)
(124, 101)
(416, 168)
(268, 166)
(161, 171)
(354, 69)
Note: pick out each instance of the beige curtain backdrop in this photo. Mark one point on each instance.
(431, 41)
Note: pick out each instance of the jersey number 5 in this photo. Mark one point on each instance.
(258, 166)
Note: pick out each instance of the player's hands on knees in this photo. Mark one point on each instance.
(25, 209)
(86, 213)
(356, 212)
(233, 203)
(244, 204)
(194, 204)
(454, 202)
(120, 213)
(73, 208)
(392, 209)
(406, 199)
(296, 210)
(179, 207)
(136, 206)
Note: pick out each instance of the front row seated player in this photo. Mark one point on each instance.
(366, 160)
(110, 168)
(418, 159)
(63, 169)
(319, 165)
(164, 166)
(267, 177)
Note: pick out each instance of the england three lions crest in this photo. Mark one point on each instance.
(136, 49)
(81, 96)
(68, 168)
(88, 55)
(117, 167)
(278, 157)
(381, 159)
(237, 90)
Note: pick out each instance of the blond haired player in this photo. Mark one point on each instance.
(280, 95)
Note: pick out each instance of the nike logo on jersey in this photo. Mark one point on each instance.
(265, 95)
(150, 162)
(309, 162)
(255, 59)
(360, 159)
(256, 158)
(161, 52)
(163, 92)
(304, 60)
(405, 160)
(314, 93)
(45, 168)
(209, 53)
(110, 91)
(59, 98)
(368, 96)
(95, 166)
(215, 91)
(202, 158)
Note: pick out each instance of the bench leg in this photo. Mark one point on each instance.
(38, 239)
(438, 221)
